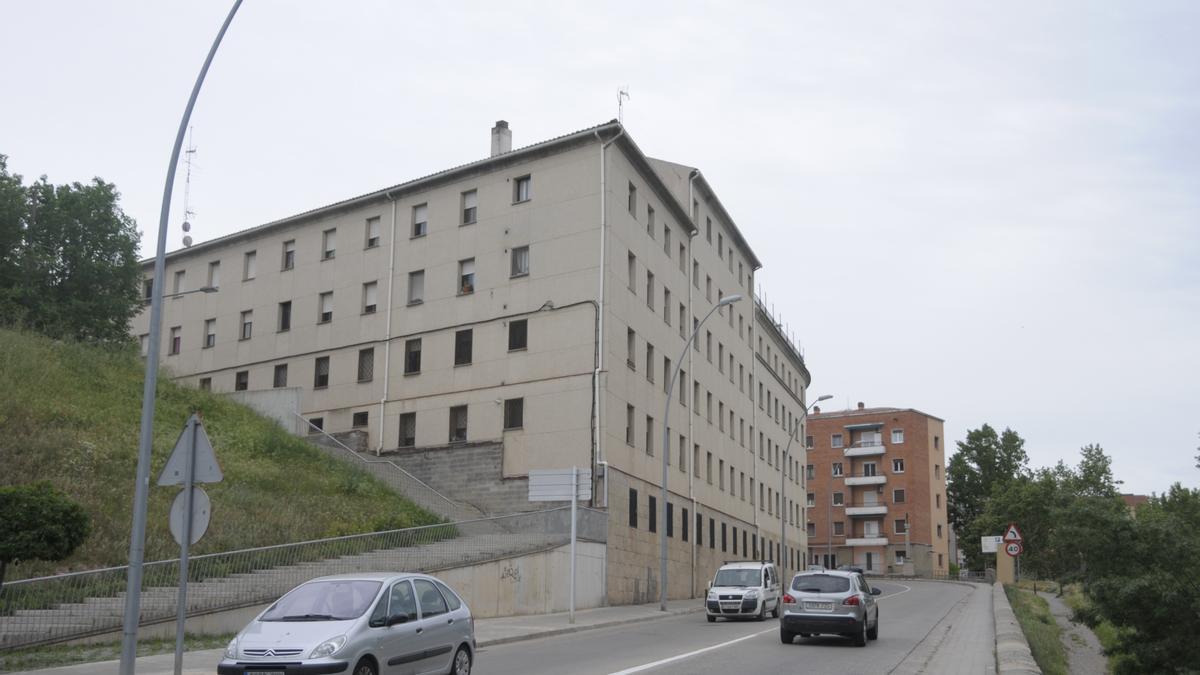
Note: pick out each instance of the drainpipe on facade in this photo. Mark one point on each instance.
(754, 405)
(387, 331)
(597, 403)
(692, 369)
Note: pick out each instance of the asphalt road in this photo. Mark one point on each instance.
(689, 644)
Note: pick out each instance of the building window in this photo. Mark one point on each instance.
(649, 362)
(683, 321)
(837, 469)
(897, 496)
(372, 236)
(280, 378)
(708, 288)
(720, 246)
(683, 261)
(360, 419)
(206, 384)
(650, 289)
(521, 188)
(420, 220)
(649, 435)
(630, 348)
(812, 530)
(667, 240)
(416, 287)
(683, 524)
(712, 532)
(897, 435)
(412, 356)
(214, 274)
(241, 380)
(937, 501)
(518, 335)
(470, 204)
(514, 413)
(325, 307)
(520, 261)
(321, 372)
(176, 339)
(466, 276)
(250, 266)
(935, 442)
(247, 324)
(839, 499)
(289, 255)
(667, 305)
(178, 282)
(317, 423)
(869, 469)
(708, 469)
(370, 297)
(937, 470)
(901, 556)
(629, 425)
(810, 472)
(366, 364)
(462, 347)
(147, 289)
(839, 528)
(285, 316)
(808, 442)
(652, 513)
(328, 244)
(458, 424)
(835, 441)
(210, 333)
(633, 273)
(724, 537)
(632, 200)
(898, 465)
(650, 220)
(633, 508)
(408, 429)
(899, 526)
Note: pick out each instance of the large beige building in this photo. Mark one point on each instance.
(534, 301)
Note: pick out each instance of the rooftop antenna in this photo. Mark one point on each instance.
(188, 213)
(622, 94)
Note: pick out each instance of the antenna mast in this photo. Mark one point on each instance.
(188, 213)
(622, 94)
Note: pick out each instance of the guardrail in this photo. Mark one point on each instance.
(81, 604)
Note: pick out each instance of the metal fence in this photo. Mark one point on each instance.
(81, 604)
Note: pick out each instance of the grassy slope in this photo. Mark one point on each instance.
(70, 415)
(1041, 630)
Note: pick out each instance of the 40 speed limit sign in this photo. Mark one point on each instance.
(1013, 548)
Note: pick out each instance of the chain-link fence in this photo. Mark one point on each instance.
(80, 604)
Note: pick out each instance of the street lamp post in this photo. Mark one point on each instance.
(666, 449)
(783, 484)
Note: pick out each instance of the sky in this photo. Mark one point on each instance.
(988, 211)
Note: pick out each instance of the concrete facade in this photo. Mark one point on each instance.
(873, 470)
(579, 266)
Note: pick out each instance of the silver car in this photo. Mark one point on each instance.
(365, 624)
(830, 602)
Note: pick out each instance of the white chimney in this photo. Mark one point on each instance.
(501, 138)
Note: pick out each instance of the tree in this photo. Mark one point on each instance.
(984, 461)
(37, 522)
(68, 259)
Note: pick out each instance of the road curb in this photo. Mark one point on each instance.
(1012, 649)
(579, 628)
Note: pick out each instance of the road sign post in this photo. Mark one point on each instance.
(1014, 545)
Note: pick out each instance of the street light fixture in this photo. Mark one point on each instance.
(783, 485)
(666, 448)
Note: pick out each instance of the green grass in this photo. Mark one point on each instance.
(1041, 630)
(70, 415)
(66, 655)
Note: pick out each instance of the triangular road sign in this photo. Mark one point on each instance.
(207, 470)
(1011, 533)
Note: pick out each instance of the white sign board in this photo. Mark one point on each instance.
(554, 485)
(206, 468)
(991, 544)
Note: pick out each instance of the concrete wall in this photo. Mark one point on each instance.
(281, 405)
(472, 473)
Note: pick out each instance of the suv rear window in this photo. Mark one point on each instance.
(820, 583)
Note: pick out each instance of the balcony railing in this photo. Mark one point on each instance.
(864, 449)
(865, 479)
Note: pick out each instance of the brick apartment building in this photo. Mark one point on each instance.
(876, 490)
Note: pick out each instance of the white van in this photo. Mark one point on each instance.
(743, 590)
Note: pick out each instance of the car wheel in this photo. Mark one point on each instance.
(762, 612)
(462, 662)
(873, 631)
(860, 638)
(786, 636)
(365, 666)
(712, 619)
(775, 612)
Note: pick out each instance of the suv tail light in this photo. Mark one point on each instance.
(852, 600)
(788, 599)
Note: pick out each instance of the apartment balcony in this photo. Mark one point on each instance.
(853, 479)
(861, 510)
(864, 449)
(873, 540)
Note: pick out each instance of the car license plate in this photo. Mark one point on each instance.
(819, 606)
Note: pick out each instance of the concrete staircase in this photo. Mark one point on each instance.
(100, 615)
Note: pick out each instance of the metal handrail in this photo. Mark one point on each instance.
(865, 444)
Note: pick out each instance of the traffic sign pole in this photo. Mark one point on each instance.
(189, 475)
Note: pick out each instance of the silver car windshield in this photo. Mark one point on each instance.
(743, 577)
(820, 583)
(324, 601)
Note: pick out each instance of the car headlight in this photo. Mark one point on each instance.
(751, 595)
(712, 596)
(328, 647)
(231, 648)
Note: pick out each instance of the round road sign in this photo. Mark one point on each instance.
(1013, 548)
(201, 509)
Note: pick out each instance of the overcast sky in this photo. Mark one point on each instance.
(986, 211)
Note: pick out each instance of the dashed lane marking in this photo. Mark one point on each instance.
(680, 657)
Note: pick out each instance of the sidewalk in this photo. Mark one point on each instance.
(487, 632)
(1084, 653)
(963, 642)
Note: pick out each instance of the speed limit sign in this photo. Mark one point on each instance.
(1013, 548)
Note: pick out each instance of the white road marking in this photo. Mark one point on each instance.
(680, 657)
(892, 595)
